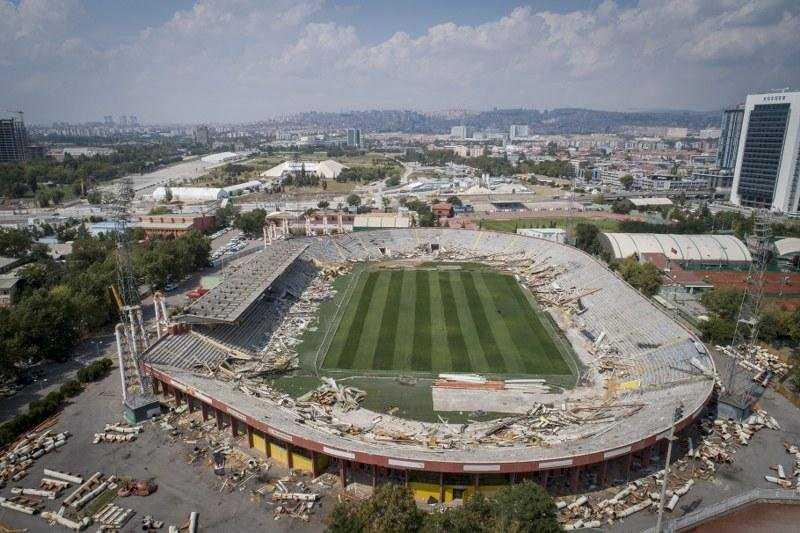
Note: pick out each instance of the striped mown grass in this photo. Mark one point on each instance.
(428, 321)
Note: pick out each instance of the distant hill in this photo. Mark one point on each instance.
(564, 120)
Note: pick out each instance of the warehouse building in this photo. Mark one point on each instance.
(687, 250)
(328, 169)
(189, 194)
(172, 225)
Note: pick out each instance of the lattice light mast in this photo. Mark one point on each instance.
(132, 338)
(740, 391)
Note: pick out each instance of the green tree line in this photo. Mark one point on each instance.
(62, 302)
(520, 508)
(25, 179)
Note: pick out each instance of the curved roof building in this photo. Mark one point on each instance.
(701, 249)
(190, 194)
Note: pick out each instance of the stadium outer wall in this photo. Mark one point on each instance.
(569, 474)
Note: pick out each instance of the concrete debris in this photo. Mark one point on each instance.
(766, 366)
(49, 494)
(118, 433)
(15, 462)
(149, 523)
(16, 504)
(66, 522)
(113, 437)
(112, 516)
(330, 393)
(64, 476)
(721, 438)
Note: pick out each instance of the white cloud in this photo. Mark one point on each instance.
(248, 59)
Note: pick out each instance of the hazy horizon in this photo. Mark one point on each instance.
(229, 61)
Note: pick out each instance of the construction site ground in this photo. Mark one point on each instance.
(156, 454)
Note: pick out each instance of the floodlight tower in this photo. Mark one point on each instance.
(131, 335)
(739, 389)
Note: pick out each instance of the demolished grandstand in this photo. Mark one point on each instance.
(638, 366)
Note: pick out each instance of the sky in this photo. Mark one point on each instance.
(170, 61)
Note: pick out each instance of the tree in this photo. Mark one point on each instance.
(455, 201)
(250, 222)
(623, 207)
(525, 507)
(394, 181)
(717, 330)
(723, 301)
(476, 515)
(386, 201)
(15, 242)
(354, 200)
(225, 215)
(587, 238)
(643, 276)
(626, 181)
(323, 204)
(390, 509)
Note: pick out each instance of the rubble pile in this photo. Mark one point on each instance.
(718, 445)
(117, 433)
(15, 462)
(112, 517)
(299, 316)
(765, 365)
(331, 393)
(298, 502)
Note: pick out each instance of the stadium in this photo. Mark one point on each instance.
(449, 360)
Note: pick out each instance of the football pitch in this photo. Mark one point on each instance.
(442, 320)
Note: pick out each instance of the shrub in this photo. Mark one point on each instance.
(93, 372)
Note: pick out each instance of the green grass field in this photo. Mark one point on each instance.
(445, 320)
(512, 224)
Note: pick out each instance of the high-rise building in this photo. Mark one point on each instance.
(462, 132)
(123, 120)
(134, 120)
(13, 140)
(767, 164)
(201, 135)
(517, 131)
(108, 120)
(728, 145)
(354, 137)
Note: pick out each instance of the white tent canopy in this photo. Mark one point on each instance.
(692, 248)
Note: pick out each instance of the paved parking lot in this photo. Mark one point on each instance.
(750, 464)
(182, 487)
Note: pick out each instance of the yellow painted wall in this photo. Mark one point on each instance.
(449, 493)
(259, 442)
(424, 491)
(279, 454)
(322, 461)
(489, 490)
(302, 463)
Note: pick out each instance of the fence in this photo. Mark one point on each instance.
(728, 506)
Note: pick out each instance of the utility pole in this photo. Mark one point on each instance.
(677, 415)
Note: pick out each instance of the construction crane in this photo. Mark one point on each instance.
(739, 390)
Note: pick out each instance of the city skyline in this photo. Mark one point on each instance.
(237, 60)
